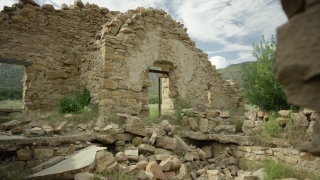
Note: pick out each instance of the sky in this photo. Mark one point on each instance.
(224, 29)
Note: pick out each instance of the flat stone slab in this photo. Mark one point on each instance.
(83, 160)
(236, 139)
(12, 143)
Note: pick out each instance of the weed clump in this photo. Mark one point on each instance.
(75, 101)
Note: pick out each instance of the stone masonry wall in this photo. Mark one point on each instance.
(110, 53)
(142, 38)
(54, 40)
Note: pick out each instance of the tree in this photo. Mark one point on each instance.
(260, 86)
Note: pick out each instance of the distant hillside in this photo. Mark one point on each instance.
(11, 81)
(233, 72)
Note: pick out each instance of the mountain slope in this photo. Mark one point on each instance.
(233, 72)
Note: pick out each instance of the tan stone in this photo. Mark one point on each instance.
(20, 18)
(108, 84)
(43, 153)
(156, 170)
(104, 160)
(167, 143)
(23, 154)
(28, 12)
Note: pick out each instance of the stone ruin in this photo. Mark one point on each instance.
(110, 53)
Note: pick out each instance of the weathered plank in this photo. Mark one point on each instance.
(17, 62)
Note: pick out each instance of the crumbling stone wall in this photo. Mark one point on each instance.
(142, 38)
(110, 53)
(54, 41)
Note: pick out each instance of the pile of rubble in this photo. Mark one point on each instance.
(146, 152)
(304, 120)
(209, 121)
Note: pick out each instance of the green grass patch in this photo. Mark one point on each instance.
(272, 127)
(11, 104)
(277, 170)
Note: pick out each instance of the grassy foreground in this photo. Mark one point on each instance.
(11, 104)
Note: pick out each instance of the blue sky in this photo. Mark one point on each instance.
(225, 29)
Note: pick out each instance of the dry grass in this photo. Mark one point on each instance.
(11, 104)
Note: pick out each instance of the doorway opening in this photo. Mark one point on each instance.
(156, 75)
(11, 89)
(12, 74)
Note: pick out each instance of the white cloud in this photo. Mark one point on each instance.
(228, 23)
(221, 19)
(232, 48)
(219, 61)
(222, 62)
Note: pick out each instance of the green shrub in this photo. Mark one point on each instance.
(10, 93)
(153, 99)
(276, 170)
(272, 127)
(85, 97)
(260, 86)
(75, 101)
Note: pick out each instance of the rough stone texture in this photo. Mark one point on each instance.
(9, 125)
(35, 132)
(43, 153)
(24, 154)
(156, 170)
(299, 39)
(167, 143)
(109, 53)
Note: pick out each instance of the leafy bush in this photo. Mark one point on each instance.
(153, 99)
(260, 86)
(10, 93)
(85, 97)
(272, 127)
(75, 101)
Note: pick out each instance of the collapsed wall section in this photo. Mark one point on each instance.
(54, 40)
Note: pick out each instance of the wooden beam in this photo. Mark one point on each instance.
(16, 62)
(159, 72)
